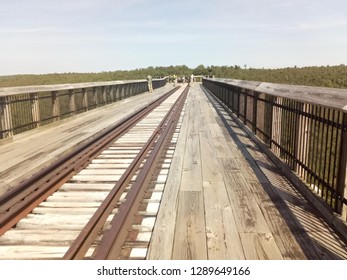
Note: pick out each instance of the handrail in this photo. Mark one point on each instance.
(29, 107)
(328, 97)
(305, 127)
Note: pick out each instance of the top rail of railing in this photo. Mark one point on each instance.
(328, 97)
(7, 91)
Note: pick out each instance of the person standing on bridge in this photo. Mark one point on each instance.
(150, 85)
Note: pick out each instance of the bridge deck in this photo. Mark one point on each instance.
(223, 198)
(33, 150)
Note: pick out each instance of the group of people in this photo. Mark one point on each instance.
(172, 79)
(181, 79)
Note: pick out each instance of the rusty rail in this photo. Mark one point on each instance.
(114, 238)
(19, 201)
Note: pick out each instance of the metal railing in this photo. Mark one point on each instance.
(306, 127)
(26, 108)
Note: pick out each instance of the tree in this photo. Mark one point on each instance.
(200, 70)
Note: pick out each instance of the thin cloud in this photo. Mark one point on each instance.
(25, 30)
(89, 32)
(322, 25)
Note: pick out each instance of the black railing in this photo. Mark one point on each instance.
(26, 108)
(305, 127)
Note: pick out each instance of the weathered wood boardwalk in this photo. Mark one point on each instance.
(31, 151)
(223, 198)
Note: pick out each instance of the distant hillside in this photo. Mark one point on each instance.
(326, 76)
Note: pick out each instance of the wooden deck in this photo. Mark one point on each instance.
(225, 200)
(33, 150)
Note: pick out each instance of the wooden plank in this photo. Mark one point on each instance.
(65, 204)
(285, 240)
(161, 245)
(27, 252)
(191, 174)
(73, 224)
(190, 236)
(237, 174)
(64, 211)
(86, 186)
(249, 217)
(223, 241)
(258, 217)
(95, 178)
(39, 236)
(209, 164)
(235, 250)
(90, 171)
(96, 197)
(260, 246)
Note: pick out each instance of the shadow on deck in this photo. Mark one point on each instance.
(315, 237)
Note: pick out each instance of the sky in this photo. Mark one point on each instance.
(50, 36)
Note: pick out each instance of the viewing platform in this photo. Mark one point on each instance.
(251, 175)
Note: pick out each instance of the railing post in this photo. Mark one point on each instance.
(224, 95)
(117, 93)
(85, 99)
(301, 136)
(122, 95)
(342, 178)
(104, 94)
(131, 90)
(268, 119)
(95, 96)
(112, 93)
(55, 106)
(255, 108)
(245, 107)
(229, 98)
(238, 101)
(35, 109)
(276, 124)
(5, 118)
(260, 113)
(127, 90)
(72, 102)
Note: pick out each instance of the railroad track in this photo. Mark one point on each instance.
(101, 201)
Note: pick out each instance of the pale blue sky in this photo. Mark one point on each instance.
(46, 36)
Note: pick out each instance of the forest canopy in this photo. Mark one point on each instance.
(324, 76)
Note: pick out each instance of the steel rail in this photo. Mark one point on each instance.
(114, 238)
(21, 200)
(154, 146)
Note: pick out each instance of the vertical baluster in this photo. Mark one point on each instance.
(72, 102)
(255, 111)
(35, 109)
(5, 118)
(55, 106)
(85, 99)
(342, 178)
